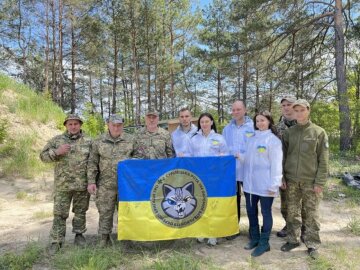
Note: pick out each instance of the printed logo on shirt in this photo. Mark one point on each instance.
(215, 142)
(261, 149)
(249, 134)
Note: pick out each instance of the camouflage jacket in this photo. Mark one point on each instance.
(70, 169)
(105, 154)
(152, 145)
(283, 125)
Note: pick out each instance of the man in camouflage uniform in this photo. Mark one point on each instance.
(286, 121)
(306, 161)
(106, 152)
(152, 142)
(69, 151)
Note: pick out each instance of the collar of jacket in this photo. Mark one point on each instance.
(74, 136)
(289, 123)
(247, 120)
(303, 126)
(108, 137)
(259, 133)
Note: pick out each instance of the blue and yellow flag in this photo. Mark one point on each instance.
(177, 198)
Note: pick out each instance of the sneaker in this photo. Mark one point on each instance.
(105, 241)
(212, 242)
(282, 233)
(232, 237)
(289, 246)
(200, 240)
(313, 253)
(79, 240)
(54, 248)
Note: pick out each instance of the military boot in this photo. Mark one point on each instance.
(54, 248)
(105, 241)
(79, 240)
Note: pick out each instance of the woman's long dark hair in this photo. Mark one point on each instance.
(268, 116)
(213, 126)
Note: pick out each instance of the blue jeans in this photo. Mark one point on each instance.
(252, 211)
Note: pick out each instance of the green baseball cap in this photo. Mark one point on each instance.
(302, 103)
(72, 117)
(116, 119)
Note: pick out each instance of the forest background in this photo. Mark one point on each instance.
(100, 57)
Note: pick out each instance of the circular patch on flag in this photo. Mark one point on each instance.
(178, 198)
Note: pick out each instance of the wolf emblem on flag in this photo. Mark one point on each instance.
(179, 202)
(178, 198)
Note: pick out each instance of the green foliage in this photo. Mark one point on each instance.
(320, 263)
(26, 260)
(326, 115)
(28, 104)
(354, 226)
(42, 214)
(181, 261)
(3, 130)
(22, 160)
(93, 122)
(21, 195)
(335, 187)
(89, 259)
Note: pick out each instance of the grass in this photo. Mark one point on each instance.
(25, 260)
(23, 160)
(18, 151)
(336, 257)
(335, 189)
(354, 226)
(30, 105)
(21, 195)
(341, 164)
(42, 214)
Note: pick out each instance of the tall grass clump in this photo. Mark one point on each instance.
(89, 258)
(22, 160)
(30, 105)
(25, 260)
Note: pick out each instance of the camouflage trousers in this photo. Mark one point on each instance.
(62, 202)
(106, 202)
(302, 192)
(284, 204)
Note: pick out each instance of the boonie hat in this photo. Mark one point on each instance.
(116, 119)
(72, 117)
(302, 103)
(152, 112)
(289, 98)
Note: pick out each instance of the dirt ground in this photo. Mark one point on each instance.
(19, 224)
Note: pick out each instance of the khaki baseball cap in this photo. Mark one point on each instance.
(152, 112)
(301, 102)
(289, 98)
(116, 119)
(72, 117)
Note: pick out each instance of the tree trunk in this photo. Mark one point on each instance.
(115, 73)
(54, 60)
(73, 61)
(344, 111)
(47, 49)
(61, 66)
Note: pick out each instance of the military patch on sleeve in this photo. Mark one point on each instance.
(326, 144)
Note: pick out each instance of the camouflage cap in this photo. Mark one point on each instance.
(152, 112)
(302, 103)
(289, 98)
(72, 117)
(115, 119)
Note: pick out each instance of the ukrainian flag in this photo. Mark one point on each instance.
(177, 198)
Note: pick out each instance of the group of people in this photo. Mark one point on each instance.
(290, 157)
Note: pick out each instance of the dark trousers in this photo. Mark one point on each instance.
(238, 197)
(252, 211)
